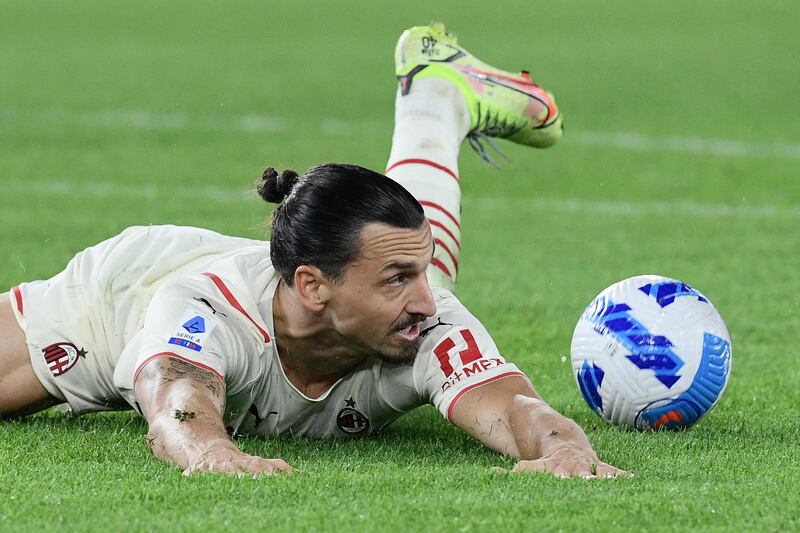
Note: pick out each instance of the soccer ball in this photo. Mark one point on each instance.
(651, 352)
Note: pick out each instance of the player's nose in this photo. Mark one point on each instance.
(422, 300)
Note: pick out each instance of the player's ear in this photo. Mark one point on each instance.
(312, 287)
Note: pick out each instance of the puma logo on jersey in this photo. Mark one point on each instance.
(431, 328)
(213, 311)
(258, 418)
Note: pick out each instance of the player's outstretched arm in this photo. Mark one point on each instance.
(510, 417)
(183, 405)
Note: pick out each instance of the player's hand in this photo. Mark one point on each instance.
(232, 461)
(569, 462)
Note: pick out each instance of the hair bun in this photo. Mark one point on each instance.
(274, 187)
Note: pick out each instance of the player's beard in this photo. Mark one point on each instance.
(406, 352)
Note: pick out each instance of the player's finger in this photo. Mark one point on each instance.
(537, 465)
(195, 468)
(606, 471)
(499, 470)
(571, 469)
(585, 467)
(240, 466)
(277, 466)
(204, 468)
(238, 469)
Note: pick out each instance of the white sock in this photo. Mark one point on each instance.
(430, 124)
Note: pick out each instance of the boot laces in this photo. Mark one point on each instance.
(489, 126)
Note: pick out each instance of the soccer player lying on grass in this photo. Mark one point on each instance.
(341, 324)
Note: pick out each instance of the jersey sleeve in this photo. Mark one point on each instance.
(457, 355)
(185, 322)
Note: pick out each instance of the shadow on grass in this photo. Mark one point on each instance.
(56, 419)
(421, 437)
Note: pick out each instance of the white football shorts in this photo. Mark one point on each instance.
(78, 322)
(57, 317)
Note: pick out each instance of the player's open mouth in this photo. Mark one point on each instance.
(410, 333)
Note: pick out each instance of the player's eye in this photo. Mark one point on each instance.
(397, 280)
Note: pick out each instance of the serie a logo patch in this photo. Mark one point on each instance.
(192, 330)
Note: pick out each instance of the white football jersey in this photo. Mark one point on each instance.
(206, 298)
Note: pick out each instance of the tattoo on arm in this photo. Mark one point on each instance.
(214, 387)
(177, 369)
(166, 370)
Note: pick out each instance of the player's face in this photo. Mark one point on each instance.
(384, 294)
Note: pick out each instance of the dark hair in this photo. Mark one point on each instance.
(322, 213)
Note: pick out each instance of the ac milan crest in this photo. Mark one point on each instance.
(350, 420)
(62, 356)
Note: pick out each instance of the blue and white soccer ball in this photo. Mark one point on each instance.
(651, 352)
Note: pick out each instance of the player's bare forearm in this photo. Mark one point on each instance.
(508, 416)
(183, 405)
(538, 430)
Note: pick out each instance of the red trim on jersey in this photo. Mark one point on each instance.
(475, 385)
(442, 226)
(438, 264)
(443, 210)
(234, 302)
(439, 242)
(176, 356)
(18, 297)
(415, 161)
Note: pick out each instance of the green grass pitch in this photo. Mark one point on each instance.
(681, 157)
